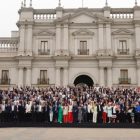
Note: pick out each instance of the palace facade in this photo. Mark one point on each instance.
(61, 47)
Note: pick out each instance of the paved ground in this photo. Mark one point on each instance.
(68, 134)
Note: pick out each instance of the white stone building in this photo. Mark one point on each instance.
(99, 46)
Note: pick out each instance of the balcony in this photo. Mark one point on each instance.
(42, 52)
(83, 52)
(123, 51)
(124, 80)
(43, 81)
(5, 81)
(8, 46)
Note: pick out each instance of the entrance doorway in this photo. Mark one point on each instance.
(83, 80)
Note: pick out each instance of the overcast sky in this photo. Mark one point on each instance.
(9, 9)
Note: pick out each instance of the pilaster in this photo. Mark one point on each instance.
(101, 76)
(100, 36)
(66, 77)
(28, 76)
(20, 77)
(29, 40)
(66, 37)
(22, 40)
(109, 76)
(58, 37)
(108, 36)
(57, 76)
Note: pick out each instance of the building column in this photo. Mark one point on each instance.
(109, 76)
(29, 40)
(66, 37)
(137, 36)
(20, 77)
(100, 36)
(58, 37)
(57, 76)
(22, 40)
(108, 36)
(66, 77)
(138, 76)
(28, 77)
(101, 76)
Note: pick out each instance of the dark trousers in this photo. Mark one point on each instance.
(122, 117)
(46, 117)
(85, 117)
(3, 116)
(55, 116)
(89, 117)
(33, 116)
(137, 117)
(99, 117)
(75, 117)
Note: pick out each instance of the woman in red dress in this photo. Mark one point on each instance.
(65, 113)
(70, 113)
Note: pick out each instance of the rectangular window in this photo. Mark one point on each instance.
(44, 48)
(5, 74)
(83, 45)
(124, 74)
(83, 48)
(43, 77)
(123, 48)
(5, 77)
(124, 77)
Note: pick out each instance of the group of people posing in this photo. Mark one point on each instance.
(70, 105)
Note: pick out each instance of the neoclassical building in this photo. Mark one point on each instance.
(61, 47)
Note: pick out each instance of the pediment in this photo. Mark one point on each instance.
(122, 32)
(45, 33)
(82, 32)
(83, 17)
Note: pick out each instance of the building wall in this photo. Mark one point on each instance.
(63, 29)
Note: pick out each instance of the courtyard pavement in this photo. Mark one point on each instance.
(68, 134)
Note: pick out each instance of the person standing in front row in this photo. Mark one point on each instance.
(70, 113)
(94, 111)
(80, 114)
(109, 112)
(51, 112)
(60, 113)
(104, 114)
(65, 113)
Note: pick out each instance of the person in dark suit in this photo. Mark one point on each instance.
(85, 112)
(8, 110)
(16, 112)
(100, 112)
(75, 113)
(55, 112)
(21, 112)
(46, 111)
(33, 112)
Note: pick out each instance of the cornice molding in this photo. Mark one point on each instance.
(24, 22)
(83, 32)
(45, 33)
(122, 31)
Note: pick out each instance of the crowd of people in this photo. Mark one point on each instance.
(70, 105)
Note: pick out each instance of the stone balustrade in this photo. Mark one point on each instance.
(121, 13)
(8, 45)
(122, 16)
(44, 16)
